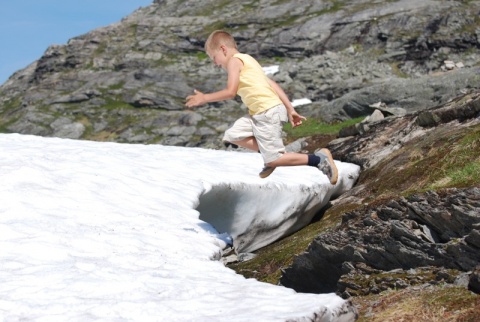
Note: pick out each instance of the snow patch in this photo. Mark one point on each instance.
(107, 231)
(271, 70)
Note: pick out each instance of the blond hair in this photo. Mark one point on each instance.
(218, 38)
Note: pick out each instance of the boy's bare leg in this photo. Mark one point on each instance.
(287, 159)
(326, 164)
(248, 143)
(290, 159)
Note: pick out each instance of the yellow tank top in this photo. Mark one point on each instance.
(254, 88)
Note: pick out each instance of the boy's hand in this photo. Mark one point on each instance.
(296, 119)
(196, 99)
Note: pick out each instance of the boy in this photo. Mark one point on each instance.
(268, 105)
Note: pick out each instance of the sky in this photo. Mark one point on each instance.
(29, 27)
(98, 231)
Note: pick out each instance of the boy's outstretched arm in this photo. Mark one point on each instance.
(295, 118)
(233, 69)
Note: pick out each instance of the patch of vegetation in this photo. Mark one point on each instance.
(5, 124)
(102, 136)
(268, 264)
(376, 52)
(314, 126)
(253, 5)
(460, 164)
(375, 282)
(279, 2)
(334, 7)
(133, 29)
(472, 26)
(218, 25)
(113, 104)
(7, 110)
(166, 60)
(202, 55)
(100, 50)
(397, 70)
(439, 303)
(11, 104)
(119, 85)
(444, 158)
(358, 47)
(279, 59)
(208, 11)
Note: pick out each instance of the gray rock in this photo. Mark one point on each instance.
(473, 238)
(390, 134)
(409, 95)
(363, 126)
(190, 119)
(386, 242)
(28, 127)
(428, 119)
(181, 131)
(296, 146)
(474, 281)
(205, 132)
(462, 280)
(69, 131)
(76, 98)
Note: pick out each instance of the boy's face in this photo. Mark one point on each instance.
(218, 57)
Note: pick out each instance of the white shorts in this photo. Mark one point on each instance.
(267, 129)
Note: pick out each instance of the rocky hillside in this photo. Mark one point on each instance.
(127, 82)
(413, 67)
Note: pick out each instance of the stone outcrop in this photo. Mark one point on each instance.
(430, 229)
(371, 141)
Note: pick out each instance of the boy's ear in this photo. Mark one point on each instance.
(224, 49)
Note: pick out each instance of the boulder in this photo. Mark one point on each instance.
(474, 281)
(393, 236)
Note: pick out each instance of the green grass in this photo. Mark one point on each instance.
(468, 173)
(11, 104)
(334, 7)
(433, 304)
(119, 85)
(460, 164)
(445, 158)
(9, 107)
(314, 127)
(397, 71)
(267, 266)
(202, 55)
